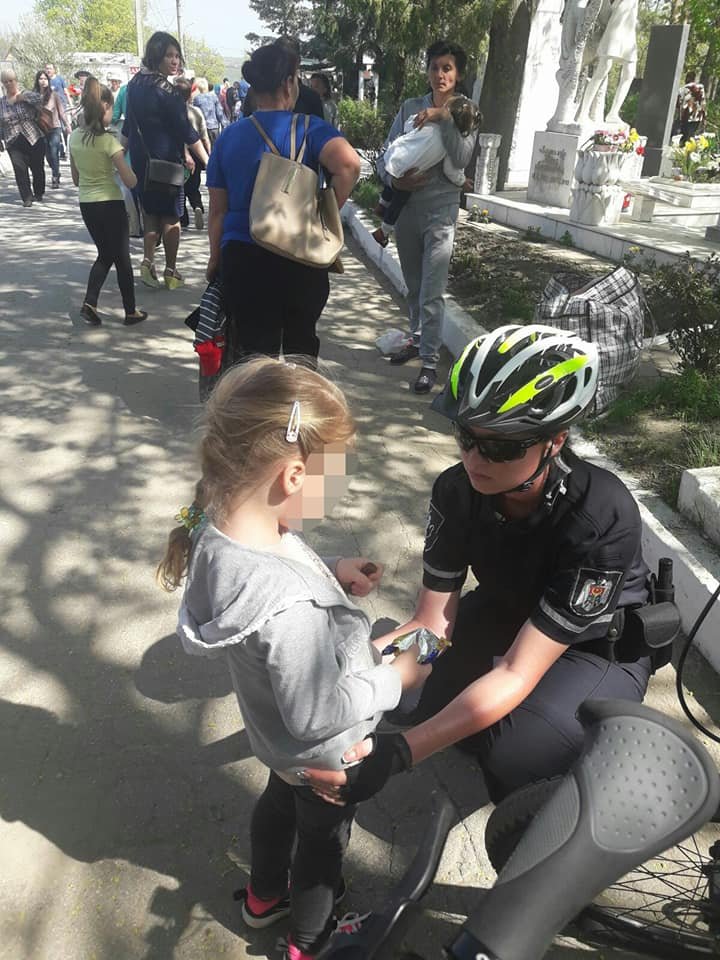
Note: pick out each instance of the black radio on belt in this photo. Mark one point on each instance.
(648, 630)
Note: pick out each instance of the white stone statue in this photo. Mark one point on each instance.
(618, 43)
(597, 32)
(578, 21)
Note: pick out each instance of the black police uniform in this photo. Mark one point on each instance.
(566, 568)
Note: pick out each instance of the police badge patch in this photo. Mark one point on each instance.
(593, 591)
(433, 521)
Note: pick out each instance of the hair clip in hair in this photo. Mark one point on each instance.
(192, 518)
(293, 427)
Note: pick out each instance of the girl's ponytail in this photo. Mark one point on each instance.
(173, 566)
(95, 99)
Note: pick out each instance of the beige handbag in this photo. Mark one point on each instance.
(292, 212)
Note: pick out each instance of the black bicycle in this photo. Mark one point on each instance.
(667, 907)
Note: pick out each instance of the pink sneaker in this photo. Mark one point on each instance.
(259, 913)
(350, 923)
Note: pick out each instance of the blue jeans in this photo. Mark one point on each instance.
(52, 151)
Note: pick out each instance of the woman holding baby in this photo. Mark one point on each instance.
(425, 229)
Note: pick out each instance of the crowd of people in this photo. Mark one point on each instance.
(161, 116)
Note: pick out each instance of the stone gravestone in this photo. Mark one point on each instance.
(539, 88)
(552, 167)
(554, 149)
(593, 34)
(656, 103)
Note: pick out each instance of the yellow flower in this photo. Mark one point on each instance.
(703, 142)
(633, 135)
(484, 212)
(690, 146)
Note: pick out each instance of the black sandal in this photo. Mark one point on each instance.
(132, 318)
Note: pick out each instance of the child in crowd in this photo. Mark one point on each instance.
(95, 156)
(183, 87)
(419, 148)
(308, 680)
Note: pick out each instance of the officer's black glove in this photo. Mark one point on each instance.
(391, 754)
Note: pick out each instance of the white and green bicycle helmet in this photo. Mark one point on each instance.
(522, 381)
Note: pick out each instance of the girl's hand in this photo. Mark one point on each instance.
(358, 575)
(412, 673)
(430, 115)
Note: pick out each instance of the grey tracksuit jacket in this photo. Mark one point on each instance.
(309, 682)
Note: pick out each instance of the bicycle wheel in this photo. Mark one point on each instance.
(667, 908)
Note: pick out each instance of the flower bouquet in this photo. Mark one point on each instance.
(697, 160)
(617, 141)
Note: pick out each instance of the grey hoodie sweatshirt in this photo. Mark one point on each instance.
(309, 682)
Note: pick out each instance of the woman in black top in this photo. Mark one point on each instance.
(157, 127)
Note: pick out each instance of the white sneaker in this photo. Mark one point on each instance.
(199, 219)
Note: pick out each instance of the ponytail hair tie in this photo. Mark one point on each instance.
(192, 518)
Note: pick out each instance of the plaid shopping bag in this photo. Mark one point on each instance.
(608, 311)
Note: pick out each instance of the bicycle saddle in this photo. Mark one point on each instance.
(642, 784)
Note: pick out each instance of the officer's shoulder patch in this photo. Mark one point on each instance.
(433, 522)
(593, 591)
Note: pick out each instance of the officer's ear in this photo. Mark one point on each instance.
(558, 442)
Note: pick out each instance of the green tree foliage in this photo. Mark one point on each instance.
(395, 33)
(36, 42)
(97, 24)
(285, 18)
(364, 128)
(704, 16)
(203, 60)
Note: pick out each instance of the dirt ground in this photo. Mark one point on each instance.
(497, 275)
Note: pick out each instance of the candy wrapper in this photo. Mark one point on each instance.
(430, 646)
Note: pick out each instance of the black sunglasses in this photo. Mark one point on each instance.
(497, 451)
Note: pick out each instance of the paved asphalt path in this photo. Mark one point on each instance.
(126, 781)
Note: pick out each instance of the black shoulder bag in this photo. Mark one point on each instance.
(163, 176)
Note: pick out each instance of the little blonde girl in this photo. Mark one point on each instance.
(307, 678)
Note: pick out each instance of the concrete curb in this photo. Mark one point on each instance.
(696, 566)
(458, 326)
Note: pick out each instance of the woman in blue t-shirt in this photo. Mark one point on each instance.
(273, 303)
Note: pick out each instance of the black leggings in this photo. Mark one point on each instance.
(273, 303)
(282, 814)
(541, 737)
(107, 224)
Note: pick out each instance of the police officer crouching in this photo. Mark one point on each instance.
(554, 543)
